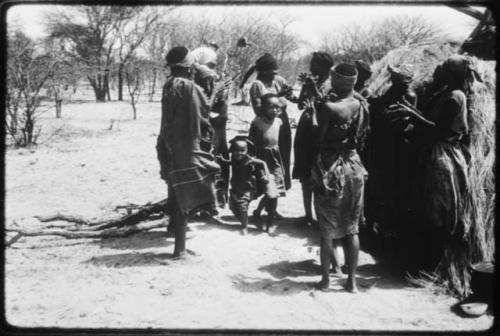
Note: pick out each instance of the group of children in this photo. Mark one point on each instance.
(257, 168)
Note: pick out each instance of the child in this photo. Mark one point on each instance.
(248, 181)
(265, 132)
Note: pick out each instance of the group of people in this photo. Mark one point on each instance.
(341, 131)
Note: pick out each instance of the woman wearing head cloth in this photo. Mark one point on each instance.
(267, 82)
(314, 87)
(338, 176)
(188, 170)
(442, 181)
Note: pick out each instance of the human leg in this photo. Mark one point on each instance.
(260, 206)
(180, 222)
(351, 251)
(335, 257)
(325, 255)
(307, 202)
(271, 205)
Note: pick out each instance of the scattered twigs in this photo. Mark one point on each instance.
(144, 218)
(106, 233)
(63, 217)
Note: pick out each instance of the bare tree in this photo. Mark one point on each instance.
(28, 71)
(372, 42)
(134, 77)
(155, 47)
(88, 37)
(131, 33)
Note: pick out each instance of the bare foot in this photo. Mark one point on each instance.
(323, 285)
(351, 286)
(336, 272)
(184, 255)
(244, 231)
(180, 255)
(271, 230)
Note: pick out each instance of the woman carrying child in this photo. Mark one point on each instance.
(265, 133)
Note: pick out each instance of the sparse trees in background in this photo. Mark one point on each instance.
(155, 48)
(29, 69)
(134, 78)
(87, 36)
(64, 79)
(372, 42)
(131, 33)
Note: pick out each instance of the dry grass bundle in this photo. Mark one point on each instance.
(423, 58)
(478, 243)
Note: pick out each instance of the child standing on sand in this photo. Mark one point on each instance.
(264, 133)
(249, 179)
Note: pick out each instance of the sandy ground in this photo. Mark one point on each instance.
(232, 281)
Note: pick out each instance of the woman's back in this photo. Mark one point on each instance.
(341, 126)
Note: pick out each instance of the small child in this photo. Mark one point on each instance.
(248, 181)
(265, 133)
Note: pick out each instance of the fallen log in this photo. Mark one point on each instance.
(147, 217)
(149, 211)
(106, 233)
(66, 218)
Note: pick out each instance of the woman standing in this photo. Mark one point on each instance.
(338, 176)
(442, 180)
(314, 88)
(188, 170)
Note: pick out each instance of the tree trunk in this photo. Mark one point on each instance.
(99, 91)
(106, 84)
(120, 81)
(132, 100)
(58, 108)
(153, 86)
(100, 94)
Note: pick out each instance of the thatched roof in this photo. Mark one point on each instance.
(479, 212)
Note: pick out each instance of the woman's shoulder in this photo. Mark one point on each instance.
(257, 121)
(458, 96)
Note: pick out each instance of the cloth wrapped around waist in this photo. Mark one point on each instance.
(194, 185)
(331, 167)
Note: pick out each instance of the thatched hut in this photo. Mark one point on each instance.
(479, 218)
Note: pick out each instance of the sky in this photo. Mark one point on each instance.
(311, 22)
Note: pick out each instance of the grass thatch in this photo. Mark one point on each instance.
(478, 242)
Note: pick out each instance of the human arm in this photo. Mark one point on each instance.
(402, 110)
(255, 94)
(285, 90)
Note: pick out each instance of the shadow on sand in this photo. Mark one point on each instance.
(139, 241)
(247, 284)
(131, 259)
(369, 276)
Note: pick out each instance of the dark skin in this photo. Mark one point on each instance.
(271, 109)
(267, 77)
(340, 111)
(239, 152)
(320, 74)
(179, 218)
